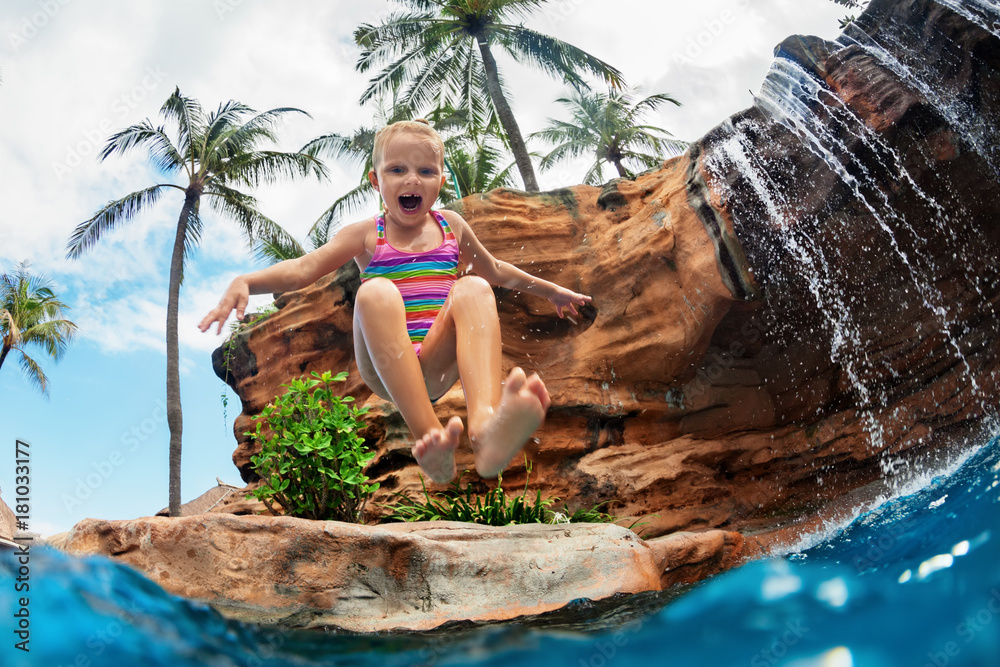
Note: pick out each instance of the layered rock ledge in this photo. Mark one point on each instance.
(416, 576)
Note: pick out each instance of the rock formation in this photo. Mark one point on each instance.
(801, 303)
(413, 575)
(800, 306)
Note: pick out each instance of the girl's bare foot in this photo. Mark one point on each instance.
(537, 387)
(435, 451)
(500, 436)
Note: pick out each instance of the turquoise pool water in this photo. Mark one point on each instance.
(914, 581)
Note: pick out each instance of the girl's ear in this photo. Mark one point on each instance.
(373, 179)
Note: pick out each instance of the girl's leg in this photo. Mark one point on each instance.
(466, 337)
(383, 346)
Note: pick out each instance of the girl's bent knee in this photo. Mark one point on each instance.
(377, 290)
(471, 286)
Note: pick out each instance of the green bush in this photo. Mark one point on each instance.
(312, 460)
(492, 509)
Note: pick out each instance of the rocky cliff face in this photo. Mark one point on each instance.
(801, 305)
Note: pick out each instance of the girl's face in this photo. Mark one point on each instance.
(408, 178)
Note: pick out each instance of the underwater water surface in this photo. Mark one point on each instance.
(914, 580)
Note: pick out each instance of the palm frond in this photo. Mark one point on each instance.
(271, 251)
(554, 56)
(595, 174)
(242, 208)
(190, 119)
(435, 81)
(358, 198)
(113, 214)
(33, 371)
(388, 39)
(52, 335)
(265, 167)
(161, 150)
(245, 137)
(565, 151)
(517, 8)
(223, 121)
(354, 149)
(393, 76)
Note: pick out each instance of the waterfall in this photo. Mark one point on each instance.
(838, 184)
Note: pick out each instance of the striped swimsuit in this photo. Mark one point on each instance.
(423, 278)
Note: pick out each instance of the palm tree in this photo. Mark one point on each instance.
(217, 154)
(441, 52)
(31, 315)
(476, 167)
(606, 125)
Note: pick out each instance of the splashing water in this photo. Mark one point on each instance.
(851, 152)
(903, 581)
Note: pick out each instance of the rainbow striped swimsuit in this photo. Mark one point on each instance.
(423, 278)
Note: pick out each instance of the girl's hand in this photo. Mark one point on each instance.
(564, 298)
(237, 296)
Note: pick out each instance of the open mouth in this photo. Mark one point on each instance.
(410, 203)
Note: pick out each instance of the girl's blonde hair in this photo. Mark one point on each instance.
(418, 127)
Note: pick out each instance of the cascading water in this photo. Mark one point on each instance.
(804, 136)
(984, 13)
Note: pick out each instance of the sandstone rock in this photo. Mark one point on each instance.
(312, 574)
(801, 305)
(686, 558)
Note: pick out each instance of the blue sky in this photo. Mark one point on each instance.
(75, 72)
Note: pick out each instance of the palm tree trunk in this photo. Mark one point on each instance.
(622, 171)
(506, 117)
(174, 416)
(3, 354)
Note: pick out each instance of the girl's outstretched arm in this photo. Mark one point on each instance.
(503, 274)
(289, 275)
